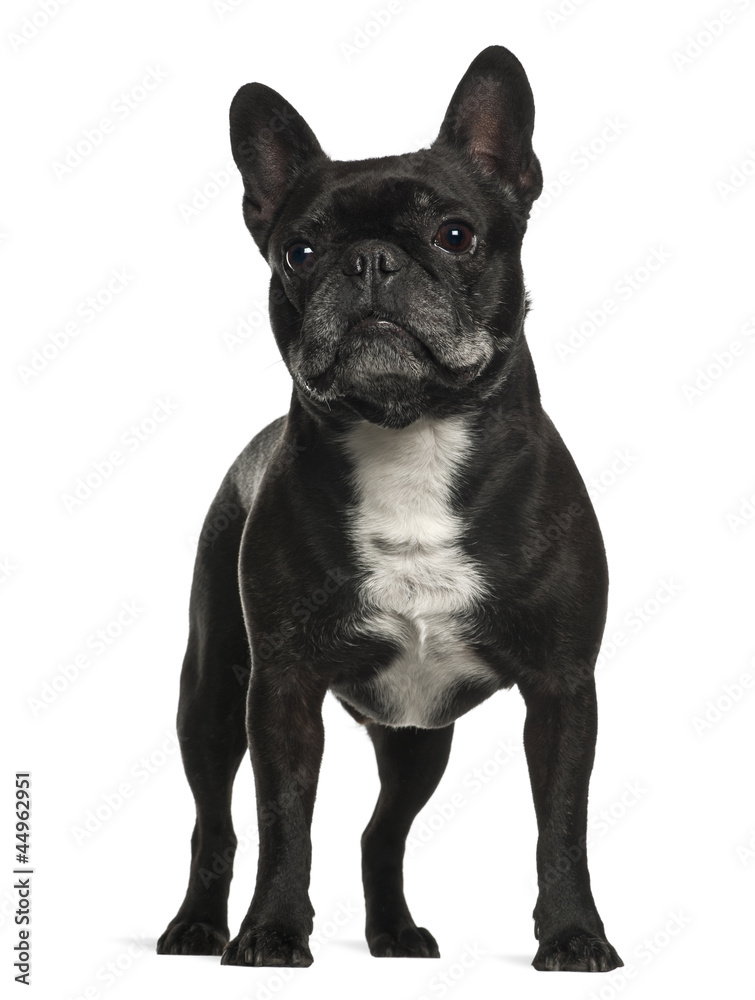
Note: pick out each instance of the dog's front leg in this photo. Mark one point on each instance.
(559, 740)
(285, 732)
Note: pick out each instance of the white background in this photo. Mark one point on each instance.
(671, 801)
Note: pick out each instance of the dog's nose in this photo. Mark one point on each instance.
(372, 262)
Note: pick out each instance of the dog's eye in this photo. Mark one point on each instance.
(455, 237)
(299, 257)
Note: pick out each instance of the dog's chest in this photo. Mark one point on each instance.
(418, 587)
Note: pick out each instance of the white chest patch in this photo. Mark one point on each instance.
(418, 581)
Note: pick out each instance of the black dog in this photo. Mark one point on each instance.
(415, 535)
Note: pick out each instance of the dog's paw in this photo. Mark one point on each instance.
(183, 937)
(411, 942)
(576, 951)
(268, 946)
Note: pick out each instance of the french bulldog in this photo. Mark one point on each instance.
(412, 536)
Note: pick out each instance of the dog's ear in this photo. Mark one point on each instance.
(491, 117)
(272, 146)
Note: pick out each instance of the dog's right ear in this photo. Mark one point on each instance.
(491, 117)
(272, 146)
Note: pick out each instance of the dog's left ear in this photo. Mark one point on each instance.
(273, 147)
(491, 117)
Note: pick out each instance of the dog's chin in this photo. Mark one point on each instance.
(372, 350)
(384, 370)
(392, 394)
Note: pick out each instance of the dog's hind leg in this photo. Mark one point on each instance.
(212, 736)
(410, 763)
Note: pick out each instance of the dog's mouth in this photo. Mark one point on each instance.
(374, 347)
(403, 341)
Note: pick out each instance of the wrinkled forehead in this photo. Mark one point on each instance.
(366, 196)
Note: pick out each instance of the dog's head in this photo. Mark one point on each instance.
(397, 289)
